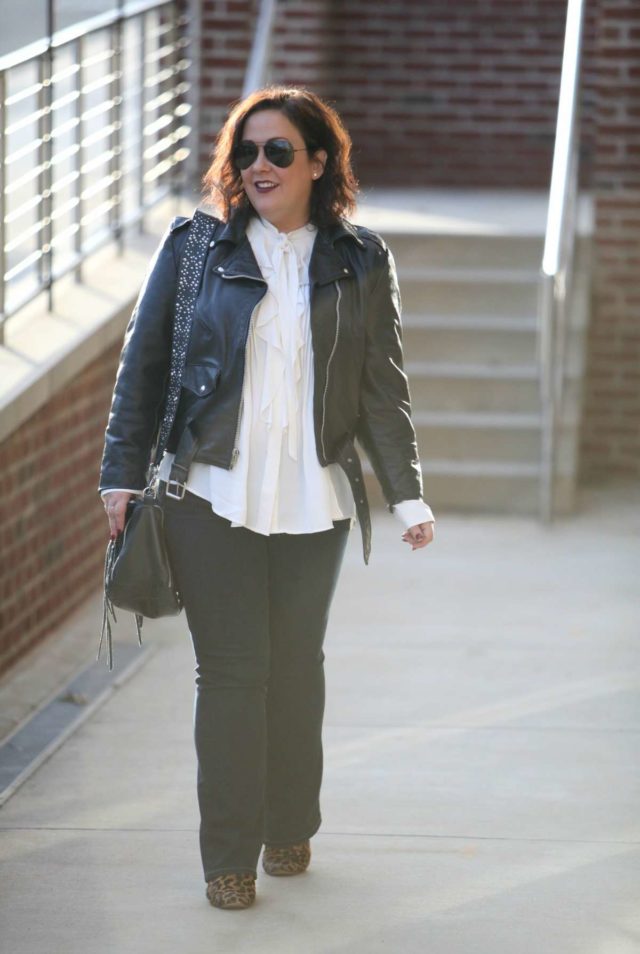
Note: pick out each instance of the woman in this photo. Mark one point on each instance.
(294, 352)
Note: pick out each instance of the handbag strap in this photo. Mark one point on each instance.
(201, 231)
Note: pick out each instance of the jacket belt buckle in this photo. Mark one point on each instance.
(175, 489)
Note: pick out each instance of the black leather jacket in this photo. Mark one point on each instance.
(360, 389)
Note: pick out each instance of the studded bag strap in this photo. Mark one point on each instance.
(201, 231)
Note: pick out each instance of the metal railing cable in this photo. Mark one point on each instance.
(93, 130)
(557, 273)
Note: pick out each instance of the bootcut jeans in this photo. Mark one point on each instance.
(257, 608)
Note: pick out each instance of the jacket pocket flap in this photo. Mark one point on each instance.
(202, 379)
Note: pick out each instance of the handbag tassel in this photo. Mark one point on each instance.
(108, 609)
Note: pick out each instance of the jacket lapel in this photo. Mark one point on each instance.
(326, 264)
(237, 255)
(242, 262)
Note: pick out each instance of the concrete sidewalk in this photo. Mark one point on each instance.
(481, 790)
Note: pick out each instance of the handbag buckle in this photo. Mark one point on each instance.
(177, 493)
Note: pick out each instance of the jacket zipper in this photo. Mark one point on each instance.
(333, 351)
(235, 452)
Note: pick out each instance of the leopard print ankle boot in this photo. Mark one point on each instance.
(232, 891)
(286, 859)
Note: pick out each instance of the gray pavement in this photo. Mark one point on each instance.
(482, 782)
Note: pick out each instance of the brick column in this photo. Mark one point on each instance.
(611, 422)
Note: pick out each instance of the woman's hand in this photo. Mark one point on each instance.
(115, 504)
(419, 536)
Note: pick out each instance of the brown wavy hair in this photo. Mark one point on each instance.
(333, 194)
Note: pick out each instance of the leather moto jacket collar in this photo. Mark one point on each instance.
(326, 265)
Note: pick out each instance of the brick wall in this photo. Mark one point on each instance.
(611, 422)
(462, 91)
(53, 530)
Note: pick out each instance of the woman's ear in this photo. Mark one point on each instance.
(318, 163)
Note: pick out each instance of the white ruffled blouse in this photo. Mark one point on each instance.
(277, 484)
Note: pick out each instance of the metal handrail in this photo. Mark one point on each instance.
(556, 274)
(92, 134)
(258, 63)
(76, 30)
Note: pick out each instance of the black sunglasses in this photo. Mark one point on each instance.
(280, 152)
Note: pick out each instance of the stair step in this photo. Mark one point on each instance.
(490, 276)
(477, 419)
(473, 468)
(476, 344)
(496, 494)
(481, 468)
(479, 444)
(421, 293)
(500, 437)
(480, 323)
(459, 393)
(482, 370)
(469, 251)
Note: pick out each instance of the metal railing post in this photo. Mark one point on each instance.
(141, 119)
(115, 165)
(556, 276)
(45, 156)
(175, 119)
(79, 159)
(545, 360)
(3, 260)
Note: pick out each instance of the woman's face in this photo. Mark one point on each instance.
(282, 196)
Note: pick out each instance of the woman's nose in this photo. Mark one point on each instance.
(261, 161)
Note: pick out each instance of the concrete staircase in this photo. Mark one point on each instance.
(468, 267)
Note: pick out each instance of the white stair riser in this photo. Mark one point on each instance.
(468, 345)
(490, 444)
(473, 394)
(412, 250)
(477, 444)
(468, 298)
(466, 251)
(478, 345)
(487, 394)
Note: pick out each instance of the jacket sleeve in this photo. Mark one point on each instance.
(385, 429)
(139, 391)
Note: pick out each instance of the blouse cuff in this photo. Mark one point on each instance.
(120, 490)
(412, 512)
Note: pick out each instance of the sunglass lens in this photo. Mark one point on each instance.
(245, 154)
(280, 152)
